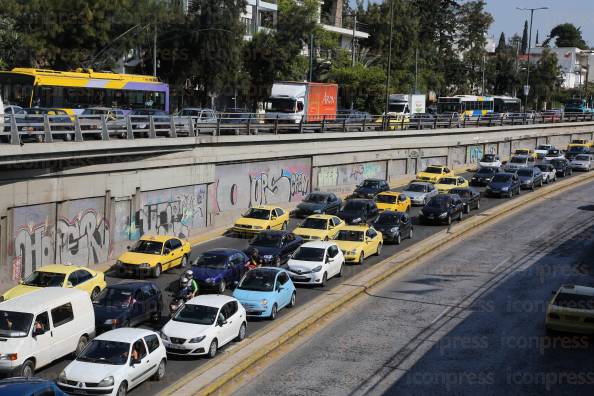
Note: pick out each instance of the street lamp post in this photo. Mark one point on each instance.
(527, 88)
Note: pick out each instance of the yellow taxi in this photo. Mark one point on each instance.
(445, 184)
(263, 217)
(392, 200)
(581, 142)
(394, 121)
(319, 226)
(358, 242)
(153, 254)
(59, 275)
(433, 173)
(525, 152)
(571, 309)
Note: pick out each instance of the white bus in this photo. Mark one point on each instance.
(466, 105)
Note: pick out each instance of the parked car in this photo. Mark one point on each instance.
(349, 117)
(358, 211)
(369, 188)
(262, 217)
(32, 386)
(394, 226)
(504, 184)
(445, 184)
(554, 154)
(275, 247)
(549, 173)
(483, 176)
(115, 362)
(315, 262)
(442, 209)
(204, 120)
(571, 309)
(470, 197)
(140, 119)
(264, 291)
(490, 160)
(582, 162)
(317, 203)
(153, 254)
(218, 268)
(59, 275)
(530, 178)
(114, 118)
(420, 192)
(517, 162)
(55, 116)
(357, 242)
(322, 227)
(203, 325)
(542, 150)
(422, 121)
(19, 118)
(30, 340)
(433, 173)
(562, 167)
(393, 200)
(127, 304)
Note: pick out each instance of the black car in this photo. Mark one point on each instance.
(530, 177)
(58, 119)
(442, 208)
(126, 304)
(483, 176)
(317, 203)
(358, 211)
(357, 117)
(561, 166)
(575, 151)
(394, 226)
(369, 188)
(469, 196)
(504, 184)
(275, 247)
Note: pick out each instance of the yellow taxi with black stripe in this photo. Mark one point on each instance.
(433, 173)
(392, 200)
(262, 217)
(445, 184)
(59, 275)
(358, 242)
(319, 226)
(153, 254)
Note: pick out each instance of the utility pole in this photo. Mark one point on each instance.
(155, 52)
(483, 85)
(311, 48)
(527, 87)
(387, 93)
(416, 70)
(353, 41)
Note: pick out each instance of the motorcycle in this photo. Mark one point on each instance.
(179, 298)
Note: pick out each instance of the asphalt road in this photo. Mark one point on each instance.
(469, 321)
(179, 366)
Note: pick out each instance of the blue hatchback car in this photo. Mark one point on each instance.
(265, 291)
(219, 268)
(21, 386)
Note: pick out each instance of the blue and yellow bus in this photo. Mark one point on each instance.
(466, 105)
(77, 90)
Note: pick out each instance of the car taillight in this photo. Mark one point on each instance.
(554, 316)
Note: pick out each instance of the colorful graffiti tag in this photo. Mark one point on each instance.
(349, 174)
(474, 154)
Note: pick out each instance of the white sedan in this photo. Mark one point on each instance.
(542, 150)
(490, 161)
(315, 262)
(554, 154)
(203, 325)
(549, 173)
(115, 362)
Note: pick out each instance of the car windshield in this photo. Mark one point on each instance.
(574, 301)
(259, 280)
(433, 169)
(501, 178)
(438, 202)
(386, 218)
(461, 192)
(45, 279)
(582, 158)
(416, 188)
(553, 152)
(211, 260)
(543, 147)
(353, 206)
(196, 314)
(486, 171)
(112, 297)
(348, 235)
(105, 352)
(518, 160)
(15, 324)
(190, 112)
(95, 111)
(315, 198)
(147, 247)
(309, 254)
(447, 180)
(267, 240)
(370, 184)
(521, 152)
(488, 158)
(316, 224)
(578, 150)
(281, 105)
(257, 213)
(525, 172)
(385, 198)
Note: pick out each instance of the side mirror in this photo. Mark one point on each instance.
(38, 332)
(273, 217)
(221, 322)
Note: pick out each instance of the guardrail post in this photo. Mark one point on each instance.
(276, 125)
(502, 120)
(218, 130)
(435, 122)
(172, 131)
(14, 131)
(191, 131)
(129, 131)
(47, 129)
(402, 123)
(249, 124)
(451, 118)
(364, 121)
(104, 130)
(419, 126)
(478, 121)
(78, 136)
(344, 125)
(301, 124)
(323, 124)
(152, 132)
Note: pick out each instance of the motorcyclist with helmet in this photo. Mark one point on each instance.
(192, 285)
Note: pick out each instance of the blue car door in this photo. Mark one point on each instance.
(282, 281)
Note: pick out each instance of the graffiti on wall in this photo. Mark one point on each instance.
(349, 174)
(83, 239)
(173, 211)
(491, 148)
(474, 154)
(243, 185)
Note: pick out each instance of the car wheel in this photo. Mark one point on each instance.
(122, 390)
(540, 185)
(324, 279)
(222, 287)
(478, 204)
(410, 233)
(273, 312)
(284, 227)
(157, 271)
(379, 249)
(95, 293)
(339, 275)
(241, 335)
(449, 220)
(160, 373)
(80, 345)
(28, 369)
(398, 239)
(184, 261)
(460, 216)
(293, 299)
(467, 209)
(212, 350)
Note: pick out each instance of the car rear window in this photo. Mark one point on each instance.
(574, 301)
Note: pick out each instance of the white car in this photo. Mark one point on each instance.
(313, 263)
(542, 150)
(517, 162)
(582, 162)
(490, 160)
(203, 325)
(549, 173)
(554, 154)
(115, 362)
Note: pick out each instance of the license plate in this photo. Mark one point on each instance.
(177, 347)
(299, 277)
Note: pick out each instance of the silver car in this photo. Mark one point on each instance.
(517, 162)
(582, 162)
(420, 192)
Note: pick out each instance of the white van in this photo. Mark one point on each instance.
(42, 326)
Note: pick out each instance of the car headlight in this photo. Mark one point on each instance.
(443, 215)
(144, 265)
(210, 280)
(62, 377)
(317, 269)
(394, 229)
(196, 340)
(8, 356)
(317, 211)
(264, 302)
(357, 220)
(351, 252)
(163, 336)
(504, 188)
(257, 228)
(106, 382)
(268, 257)
(112, 322)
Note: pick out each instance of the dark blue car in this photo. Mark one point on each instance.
(127, 304)
(219, 268)
(21, 386)
(275, 247)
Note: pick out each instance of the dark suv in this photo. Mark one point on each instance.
(504, 184)
(369, 188)
(562, 167)
(442, 209)
(358, 211)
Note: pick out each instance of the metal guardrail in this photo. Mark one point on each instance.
(19, 129)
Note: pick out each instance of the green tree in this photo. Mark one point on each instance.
(567, 35)
(545, 80)
(525, 38)
(361, 86)
(501, 46)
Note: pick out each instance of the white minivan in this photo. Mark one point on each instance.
(42, 326)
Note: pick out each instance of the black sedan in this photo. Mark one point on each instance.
(275, 247)
(484, 175)
(358, 211)
(530, 177)
(561, 166)
(504, 184)
(469, 196)
(126, 304)
(369, 188)
(317, 203)
(442, 208)
(394, 226)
